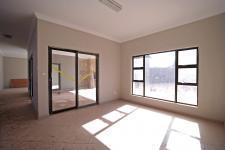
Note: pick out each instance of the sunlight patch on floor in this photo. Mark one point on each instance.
(186, 127)
(179, 141)
(127, 108)
(95, 126)
(142, 129)
(113, 116)
(138, 128)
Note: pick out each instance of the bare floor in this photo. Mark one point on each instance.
(117, 125)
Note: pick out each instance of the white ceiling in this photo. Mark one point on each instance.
(137, 18)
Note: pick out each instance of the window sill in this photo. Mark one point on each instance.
(166, 101)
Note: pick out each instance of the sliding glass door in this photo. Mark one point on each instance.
(63, 82)
(87, 68)
(73, 81)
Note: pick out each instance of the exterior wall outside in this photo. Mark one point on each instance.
(86, 67)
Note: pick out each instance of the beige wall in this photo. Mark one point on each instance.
(209, 36)
(14, 68)
(1, 73)
(32, 52)
(50, 34)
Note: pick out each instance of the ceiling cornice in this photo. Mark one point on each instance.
(72, 26)
(76, 27)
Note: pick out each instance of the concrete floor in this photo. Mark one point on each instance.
(115, 125)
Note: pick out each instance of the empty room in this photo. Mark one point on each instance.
(112, 75)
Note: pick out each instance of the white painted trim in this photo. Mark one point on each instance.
(72, 26)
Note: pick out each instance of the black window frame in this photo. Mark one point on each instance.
(177, 67)
(138, 68)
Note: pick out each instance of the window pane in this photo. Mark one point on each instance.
(138, 88)
(138, 74)
(55, 76)
(63, 80)
(187, 75)
(87, 91)
(138, 61)
(187, 94)
(187, 57)
(160, 75)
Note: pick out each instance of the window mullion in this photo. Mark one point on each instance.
(188, 66)
(176, 74)
(144, 75)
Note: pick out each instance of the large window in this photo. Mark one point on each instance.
(171, 76)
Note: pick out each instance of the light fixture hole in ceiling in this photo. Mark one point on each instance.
(112, 5)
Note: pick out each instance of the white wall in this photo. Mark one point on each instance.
(14, 68)
(209, 36)
(1, 73)
(50, 34)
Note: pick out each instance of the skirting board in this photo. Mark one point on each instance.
(168, 110)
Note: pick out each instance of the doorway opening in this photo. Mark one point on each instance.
(73, 79)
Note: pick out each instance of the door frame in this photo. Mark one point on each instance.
(76, 52)
(30, 76)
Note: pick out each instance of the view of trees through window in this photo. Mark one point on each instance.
(171, 76)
